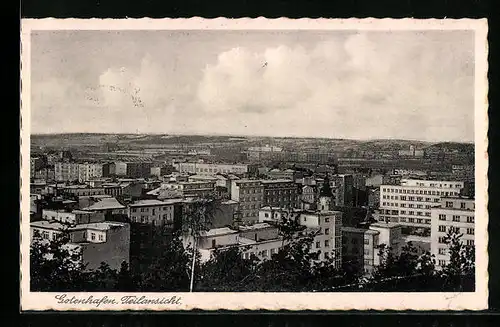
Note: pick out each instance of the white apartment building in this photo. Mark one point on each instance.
(89, 171)
(212, 168)
(410, 203)
(455, 213)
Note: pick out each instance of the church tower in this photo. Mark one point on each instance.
(325, 196)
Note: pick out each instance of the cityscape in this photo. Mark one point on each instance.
(234, 175)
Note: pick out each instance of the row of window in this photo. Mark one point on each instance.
(251, 191)
(410, 213)
(415, 220)
(457, 218)
(250, 198)
(424, 192)
(146, 209)
(403, 205)
(442, 229)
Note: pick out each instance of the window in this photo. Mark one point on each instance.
(327, 243)
(318, 245)
(449, 204)
(367, 252)
(327, 231)
(101, 237)
(403, 220)
(470, 242)
(442, 228)
(456, 218)
(442, 251)
(367, 241)
(470, 219)
(411, 220)
(442, 240)
(470, 231)
(442, 263)
(442, 217)
(462, 205)
(411, 212)
(134, 210)
(327, 220)
(92, 236)
(428, 221)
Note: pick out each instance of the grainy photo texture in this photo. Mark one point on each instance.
(260, 164)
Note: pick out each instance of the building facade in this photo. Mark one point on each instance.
(279, 193)
(66, 171)
(249, 193)
(453, 213)
(214, 168)
(410, 203)
(89, 171)
(154, 212)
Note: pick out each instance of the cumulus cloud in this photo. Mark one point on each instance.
(366, 85)
(374, 88)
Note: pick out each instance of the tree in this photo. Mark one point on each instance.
(198, 216)
(54, 266)
(226, 271)
(166, 269)
(459, 273)
(326, 189)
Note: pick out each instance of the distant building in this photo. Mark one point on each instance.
(455, 213)
(343, 185)
(213, 169)
(109, 206)
(191, 189)
(155, 212)
(279, 193)
(249, 193)
(36, 163)
(82, 190)
(411, 152)
(66, 171)
(89, 171)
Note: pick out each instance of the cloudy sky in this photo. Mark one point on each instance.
(338, 84)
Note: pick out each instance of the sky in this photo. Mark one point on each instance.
(415, 85)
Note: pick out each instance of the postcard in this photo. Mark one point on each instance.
(276, 164)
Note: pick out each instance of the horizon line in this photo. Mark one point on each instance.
(250, 136)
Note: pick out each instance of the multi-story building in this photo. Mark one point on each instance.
(214, 168)
(308, 197)
(453, 214)
(74, 217)
(36, 163)
(66, 171)
(97, 242)
(361, 246)
(155, 212)
(249, 193)
(410, 203)
(191, 189)
(120, 168)
(139, 169)
(82, 190)
(326, 225)
(343, 186)
(279, 193)
(88, 171)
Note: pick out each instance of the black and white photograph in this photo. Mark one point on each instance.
(264, 164)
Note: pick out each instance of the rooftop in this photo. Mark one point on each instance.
(145, 203)
(359, 230)
(282, 180)
(54, 225)
(218, 232)
(106, 204)
(385, 225)
(254, 226)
